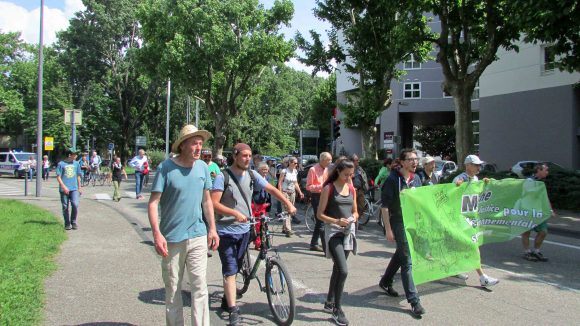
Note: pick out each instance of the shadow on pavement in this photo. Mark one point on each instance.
(106, 323)
(157, 297)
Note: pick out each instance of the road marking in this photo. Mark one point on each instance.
(565, 245)
(103, 197)
(7, 190)
(130, 194)
(535, 279)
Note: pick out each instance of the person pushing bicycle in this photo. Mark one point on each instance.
(231, 197)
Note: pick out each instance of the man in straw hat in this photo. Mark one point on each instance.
(231, 200)
(180, 190)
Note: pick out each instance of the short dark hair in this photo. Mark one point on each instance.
(404, 151)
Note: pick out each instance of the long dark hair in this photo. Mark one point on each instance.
(339, 166)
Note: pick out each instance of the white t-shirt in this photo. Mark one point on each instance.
(290, 178)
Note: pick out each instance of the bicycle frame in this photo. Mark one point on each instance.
(266, 246)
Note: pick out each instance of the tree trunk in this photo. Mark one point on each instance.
(219, 134)
(368, 141)
(463, 124)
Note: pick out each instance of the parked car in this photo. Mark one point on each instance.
(444, 168)
(524, 169)
(489, 167)
(15, 163)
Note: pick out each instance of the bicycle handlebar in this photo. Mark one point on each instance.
(265, 218)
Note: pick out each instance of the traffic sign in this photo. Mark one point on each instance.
(48, 143)
(141, 141)
(111, 146)
(310, 133)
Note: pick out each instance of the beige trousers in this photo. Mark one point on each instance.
(190, 254)
(288, 222)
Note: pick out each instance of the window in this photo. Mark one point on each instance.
(475, 124)
(548, 59)
(411, 64)
(3, 158)
(475, 94)
(412, 90)
(446, 94)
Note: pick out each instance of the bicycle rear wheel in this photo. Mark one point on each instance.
(310, 218)
(280, 292)
(366, 216)
(243, 277)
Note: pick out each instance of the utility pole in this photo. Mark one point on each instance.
(39, 144)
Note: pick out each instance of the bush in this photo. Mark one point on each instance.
(371, 167)
(156, 157)
(563, 186)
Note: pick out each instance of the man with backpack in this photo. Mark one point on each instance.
(231, 197)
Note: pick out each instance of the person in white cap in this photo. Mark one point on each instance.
(472, 168)
(179, 193)
(427, 175)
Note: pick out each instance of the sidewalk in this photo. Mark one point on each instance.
(108, 271)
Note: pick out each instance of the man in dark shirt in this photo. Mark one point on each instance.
(397, 181)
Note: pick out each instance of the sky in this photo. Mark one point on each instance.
(24, 16)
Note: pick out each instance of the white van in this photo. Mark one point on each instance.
(14, 163)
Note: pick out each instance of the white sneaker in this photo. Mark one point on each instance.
(462, 276)
(487, 281)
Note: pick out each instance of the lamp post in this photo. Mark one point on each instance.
(197, 99)
(39, 111)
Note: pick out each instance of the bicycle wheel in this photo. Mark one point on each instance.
(310, 218)
(280, 292)
(102, 179)
(243, 277)
(364, 219)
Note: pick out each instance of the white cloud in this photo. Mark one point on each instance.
(14, 18)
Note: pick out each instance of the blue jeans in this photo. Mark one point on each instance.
(30, 173)
(138, 182)
(72, 199)
(401, 259)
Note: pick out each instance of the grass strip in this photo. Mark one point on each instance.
(30, 238)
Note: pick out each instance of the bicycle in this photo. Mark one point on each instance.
(371, 209)
(309, 213)
(278, 283)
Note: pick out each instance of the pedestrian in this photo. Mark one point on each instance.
(361, 185)
(68, 175)
(31, 166)
(472, 167)
(95, 162)
(288, 185)
(214, 169)
(338, 210)
(139, 163)
(541, 171)
(427, 174)
(316, 177)
(383, 172)
(397, 181)
(45, 167)
(180, 191)
(220, 161)
(231, 200)
(117, 170)
(261, 201)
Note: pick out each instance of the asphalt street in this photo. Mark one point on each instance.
(109, 274)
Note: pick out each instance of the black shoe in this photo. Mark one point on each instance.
(389, 290)
(234, 316)
(75, 226)
(316, 248)
(538, 255)
(67, 227)
(339, 317)
(417, 309)
(529, 256)
(295, 220)
(329, 306)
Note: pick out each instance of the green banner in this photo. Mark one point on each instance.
(446, 224)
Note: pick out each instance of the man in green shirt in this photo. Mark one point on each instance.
(214, 169)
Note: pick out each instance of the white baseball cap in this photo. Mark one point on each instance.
(473, 159)
(428, 159)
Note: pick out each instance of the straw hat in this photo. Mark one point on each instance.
(187, 132)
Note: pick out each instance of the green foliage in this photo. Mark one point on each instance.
(436, 140)
(156, 157)
(218, 49)
(371, 167)
(376, 39)
(30, 237)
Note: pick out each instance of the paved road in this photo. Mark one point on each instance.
(109, 275)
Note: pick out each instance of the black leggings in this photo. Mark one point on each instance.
(339, 270)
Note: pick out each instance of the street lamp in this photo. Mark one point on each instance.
(197, 99)
(39, 111)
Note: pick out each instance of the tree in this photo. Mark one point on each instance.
(554, 23)
(99, 52)
(436, 140)
(376, 38)
(216, 48)
(471, 33)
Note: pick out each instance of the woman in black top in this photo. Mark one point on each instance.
(338, 211)
(118, 171)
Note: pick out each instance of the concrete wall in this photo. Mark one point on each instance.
(538, 124)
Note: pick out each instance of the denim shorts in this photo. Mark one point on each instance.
(232, 249)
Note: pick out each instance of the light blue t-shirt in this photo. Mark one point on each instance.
(181, 196)
(218, 185)
(68, 172)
